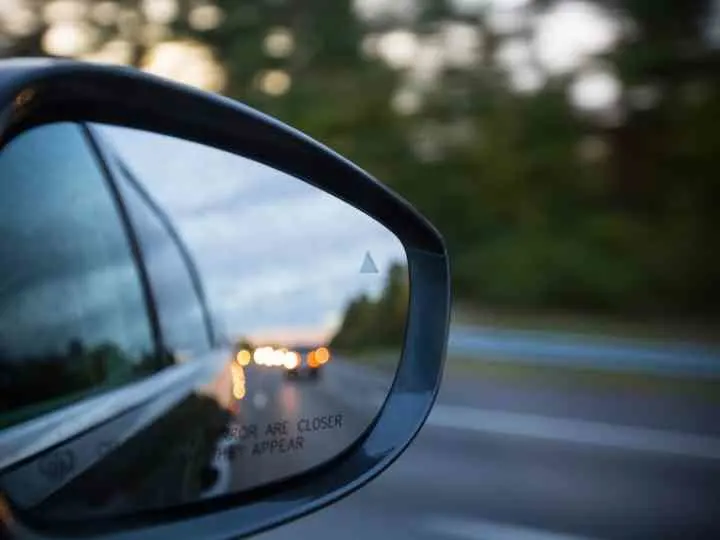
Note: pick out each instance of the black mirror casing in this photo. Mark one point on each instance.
(38, 91)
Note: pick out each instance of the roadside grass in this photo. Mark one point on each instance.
(516, 372)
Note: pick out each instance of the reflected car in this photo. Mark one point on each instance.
(268, 356)
(311, 362)
(304, 361)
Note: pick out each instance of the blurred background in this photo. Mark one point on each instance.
(568, 151)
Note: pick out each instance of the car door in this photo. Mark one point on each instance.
(100, 319)
(74, 305)
(179, 303)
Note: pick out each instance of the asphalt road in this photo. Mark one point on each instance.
(287, 426)
(511, 460)
(496, 460)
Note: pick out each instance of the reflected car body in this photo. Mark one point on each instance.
(312, 360)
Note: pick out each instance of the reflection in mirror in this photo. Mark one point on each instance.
(179, 323)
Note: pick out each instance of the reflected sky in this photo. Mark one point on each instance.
(280, 259)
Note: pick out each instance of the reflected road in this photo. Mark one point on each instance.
(179, 436)
(285, 426)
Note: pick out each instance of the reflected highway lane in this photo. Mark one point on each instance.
(286, 426)
(497, 459)
(188, 439)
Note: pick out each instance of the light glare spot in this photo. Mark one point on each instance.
(428, 62)
(595, 91)
(571, 32)
(60, 11)
(526, 79)
(279, 43)
(116, 52)
(68, 39)
(275, 82)
(128, 22)
(204, 18)
(243, 357)
(374, 10)
(186, 62)
(105, 13)
(322, 355)
(461, 43)
(160, 11)
(406, 102)
(238, 380)
(153, 33)
(20, 22)
(291, 360)
(513, 53)
(398, 48)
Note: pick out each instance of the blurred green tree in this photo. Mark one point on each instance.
(542, 205)
(377, 324)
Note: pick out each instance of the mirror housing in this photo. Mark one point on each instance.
(37, 91)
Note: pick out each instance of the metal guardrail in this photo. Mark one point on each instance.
(584, 351)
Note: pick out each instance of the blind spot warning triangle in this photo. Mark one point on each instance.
(368, 265)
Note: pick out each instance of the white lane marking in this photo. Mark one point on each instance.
(480, 529)
(575, 431)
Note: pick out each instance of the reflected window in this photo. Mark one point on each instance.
(179, 303)
(72, 312)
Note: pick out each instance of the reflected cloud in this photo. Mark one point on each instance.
(275, 252)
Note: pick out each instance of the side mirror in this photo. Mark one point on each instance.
(210, 324)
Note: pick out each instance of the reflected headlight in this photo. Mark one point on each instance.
(291, 360)
(263, 356)
(243, 357)
(322, 355)
(238, 381)
(312, 360)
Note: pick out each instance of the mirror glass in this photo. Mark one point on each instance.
(179, 323)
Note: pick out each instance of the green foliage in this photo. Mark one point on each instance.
(530, 220)
(376, 324)
(34, 385)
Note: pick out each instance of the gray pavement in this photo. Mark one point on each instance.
(496, 460)
(666, 357)
(628, 467)
(288, 426)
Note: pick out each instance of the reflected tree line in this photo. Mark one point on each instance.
(30, 384)
(376, 323)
